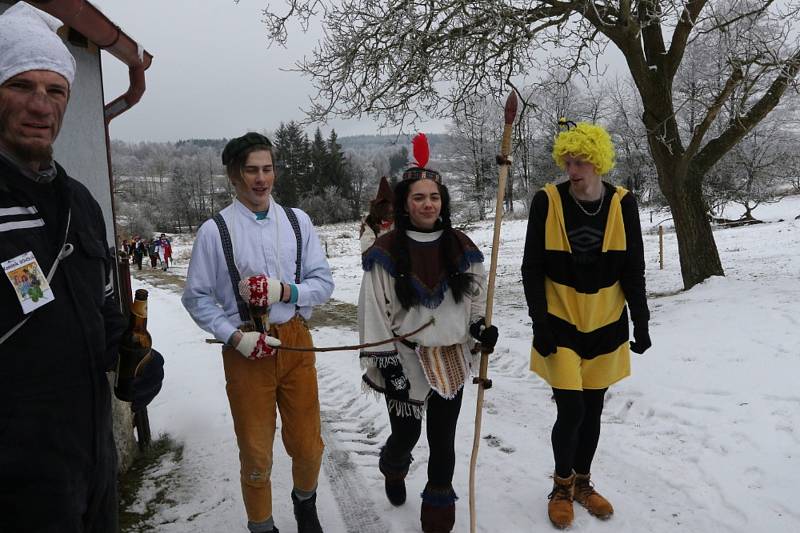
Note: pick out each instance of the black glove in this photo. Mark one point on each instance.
(641, 338)
(147, 384)
(486, 336)
(543, 340)
(397, 385)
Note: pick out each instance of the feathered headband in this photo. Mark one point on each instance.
(421, 152)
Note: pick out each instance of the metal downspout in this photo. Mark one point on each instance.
(95, 26)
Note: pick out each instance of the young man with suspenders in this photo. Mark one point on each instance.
(257, 256)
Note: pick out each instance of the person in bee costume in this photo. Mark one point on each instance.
(424, 268)
(583, 262)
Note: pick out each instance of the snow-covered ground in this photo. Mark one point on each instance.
(703, 437)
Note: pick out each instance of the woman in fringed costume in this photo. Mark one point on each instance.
(583, 261)
(424, 268)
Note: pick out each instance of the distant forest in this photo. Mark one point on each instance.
(175, 186)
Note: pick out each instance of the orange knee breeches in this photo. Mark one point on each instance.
(287, 381)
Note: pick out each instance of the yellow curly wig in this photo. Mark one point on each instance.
(589, 141)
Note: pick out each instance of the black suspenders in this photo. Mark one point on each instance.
(227, 249)
(290, 214)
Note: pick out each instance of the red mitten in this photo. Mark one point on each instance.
(260, 290)
(255, 345)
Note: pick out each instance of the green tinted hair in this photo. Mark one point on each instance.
(589, 141)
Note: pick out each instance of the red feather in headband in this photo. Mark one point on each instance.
(420, 148)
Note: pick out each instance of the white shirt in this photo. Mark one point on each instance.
(267, 246)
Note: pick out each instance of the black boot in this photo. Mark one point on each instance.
(395, 471)
(305, 512)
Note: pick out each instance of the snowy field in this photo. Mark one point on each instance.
(703, 437)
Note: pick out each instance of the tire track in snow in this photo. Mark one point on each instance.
(355, 504)
(351, 490)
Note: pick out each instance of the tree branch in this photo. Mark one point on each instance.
(738, 128)
(713, 111)
(686, 22)
(652, 37)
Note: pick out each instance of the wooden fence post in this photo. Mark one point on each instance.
(661, 247)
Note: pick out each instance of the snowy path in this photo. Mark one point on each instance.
(203, 487)
(343, 427)
(702, 438)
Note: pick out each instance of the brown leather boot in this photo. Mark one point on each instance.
(438, 512)
(559, 509)
(585, 495)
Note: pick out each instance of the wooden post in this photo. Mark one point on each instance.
(124, 277)
(141, 420)
(660, 247)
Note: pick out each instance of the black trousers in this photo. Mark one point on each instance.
(577, 429)
(441, 418)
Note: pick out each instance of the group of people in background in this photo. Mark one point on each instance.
(157, 249)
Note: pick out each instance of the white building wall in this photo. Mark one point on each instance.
(81, 146)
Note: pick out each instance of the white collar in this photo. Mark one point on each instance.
(244, 210)
(421, 236)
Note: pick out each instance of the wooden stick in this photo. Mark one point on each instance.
(344, 348)
(483, 383)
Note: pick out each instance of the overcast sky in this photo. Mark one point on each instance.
(212, 73)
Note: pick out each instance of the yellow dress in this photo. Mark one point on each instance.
(587, 312)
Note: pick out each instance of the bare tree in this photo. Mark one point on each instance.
(633, 159)
(758, 170)
(363, 174)
(475, 137)
(549, 100)
(403, 59)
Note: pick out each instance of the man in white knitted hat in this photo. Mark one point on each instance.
(57, 455)
(34, 62)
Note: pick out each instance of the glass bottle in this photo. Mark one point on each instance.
(134, 347)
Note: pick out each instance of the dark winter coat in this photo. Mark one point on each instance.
(57, 453)
(140, 249)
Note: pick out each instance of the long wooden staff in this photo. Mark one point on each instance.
(346, 348)
(483, 383)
